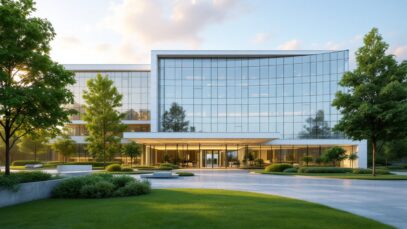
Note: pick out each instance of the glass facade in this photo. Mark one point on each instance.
(288, 95)
(134, 86)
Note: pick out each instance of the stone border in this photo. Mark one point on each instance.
(28, 192)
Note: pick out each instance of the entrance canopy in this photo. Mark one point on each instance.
(199, 138)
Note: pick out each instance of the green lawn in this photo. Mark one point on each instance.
(181, 208)
(340, 175)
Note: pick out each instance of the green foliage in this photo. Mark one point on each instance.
(373, 106)
(93, 163)
(369, 171)
(11, 182)
(24, 162)
(114, 168)
(132, 150)
(33, 92)
(395, 150)
(35, 143)
(316, 127)
(277, 167)
(334, 154)
(291, 170)
(127, 170)
(259, 162)
(185, 174)
(324, 170)
(64, 146)
(174, 119)
(307, 159)
(168, 166)
(103, 120)
(352, 157)
(100, 186)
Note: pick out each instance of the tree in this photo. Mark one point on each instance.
(174, 119)
(374, 105)
(64, 146)
(334, 154)
(316, 127)
(132, 150)
(35, 143)
(103, 120)
(307, 159)
(352, 157)
(395, 150)
(33, 88)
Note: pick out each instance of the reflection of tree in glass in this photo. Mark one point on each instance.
(174, 119)
(316, 127)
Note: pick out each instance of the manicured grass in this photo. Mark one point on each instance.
(125, 172)
(181, 208)
(340, 175)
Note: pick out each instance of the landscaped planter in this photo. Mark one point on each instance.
(28, 192)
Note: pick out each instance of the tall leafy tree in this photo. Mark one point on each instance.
(374, 105)
(174, 119)
(132, 150)
(103, 120)
(64, 146)
(316, 127)
(33, 88)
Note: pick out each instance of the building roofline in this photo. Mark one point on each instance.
(235, 53)
(107, 67)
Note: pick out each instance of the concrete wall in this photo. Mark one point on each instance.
(28, 192)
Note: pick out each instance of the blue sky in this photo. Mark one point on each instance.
(124, 31)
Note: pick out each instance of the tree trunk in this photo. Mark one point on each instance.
(7, 162)
(374, 157)
(35, 152)
(131, 162)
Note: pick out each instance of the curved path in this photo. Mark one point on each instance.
(385, 201)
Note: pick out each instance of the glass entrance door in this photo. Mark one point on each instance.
(211, 158)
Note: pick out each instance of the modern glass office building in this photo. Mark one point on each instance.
(240, 106)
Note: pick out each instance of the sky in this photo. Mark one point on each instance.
(124, 31)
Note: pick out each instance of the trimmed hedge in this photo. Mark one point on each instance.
(25, 162)
(100, 186)
(93, 163)
(291, 170)
(369, 171)
(277, 167)
(11, 182)
(185, 174)
(114, 168)
(324, 170)
(168, 166)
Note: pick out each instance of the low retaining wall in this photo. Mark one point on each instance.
(28, 192)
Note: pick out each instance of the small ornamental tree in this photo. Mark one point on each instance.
(317, 127)
(64, 146)
(103, 120)
(33, 88)
(174, 120)
(352, 157)
(132, 150)
(334, 154)
(307, 159)
(374, 102)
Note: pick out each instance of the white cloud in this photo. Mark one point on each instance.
(290, 45)
(400, 52)
(261, 38)
(158, 21)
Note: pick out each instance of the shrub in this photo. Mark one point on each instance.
(127, 170)
(168, 166)
(291, 170)
(121, 181)
(185, 174)
(93, 163)
(277, 167)
(134, 188)
(100, 189)
(24, 162)
(11, 182)
(324, 170)
(100, 186)
(259, 162)
(114, 168)
(143, 167)
(369, 171)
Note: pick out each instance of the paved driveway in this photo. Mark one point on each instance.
(385, 201)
